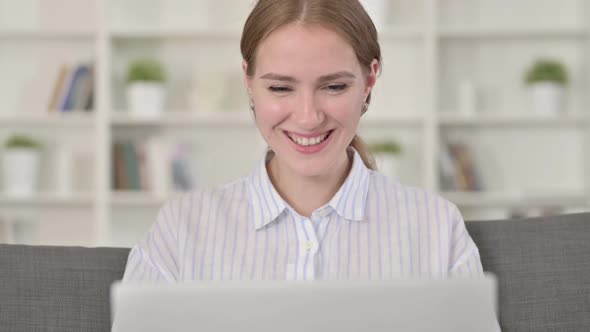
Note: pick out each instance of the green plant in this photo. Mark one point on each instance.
(389, 147)
(21, 141)
(547, 70)
(146, 70)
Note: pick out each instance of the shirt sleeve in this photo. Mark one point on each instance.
(464, 255)
(465, 260)
(155, 257)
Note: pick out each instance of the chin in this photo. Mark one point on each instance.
(313, 167)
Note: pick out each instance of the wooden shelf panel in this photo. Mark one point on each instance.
(516, 200)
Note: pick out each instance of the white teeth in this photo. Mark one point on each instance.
(308, 141)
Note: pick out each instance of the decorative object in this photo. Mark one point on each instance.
(145, 88)
(546, 80)
(387, 157)
(20, 166)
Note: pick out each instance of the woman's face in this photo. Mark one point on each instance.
(308, 91)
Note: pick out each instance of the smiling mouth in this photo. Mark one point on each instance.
(304, 141)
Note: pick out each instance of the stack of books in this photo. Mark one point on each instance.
(153, 165)
(73, 89)
(458, 169)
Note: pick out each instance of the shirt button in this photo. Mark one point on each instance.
(308, 245)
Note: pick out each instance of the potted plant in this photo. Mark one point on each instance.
(145, 87)
(20, 166)
(387, 157)
(546, 80)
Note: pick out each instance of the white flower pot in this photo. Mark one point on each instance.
(20, 172)
(145, 99)
(388, 164)
(377, 10)
(546, 98)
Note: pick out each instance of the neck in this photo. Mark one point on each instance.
(306, 194)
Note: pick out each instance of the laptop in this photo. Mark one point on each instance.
(456, 305)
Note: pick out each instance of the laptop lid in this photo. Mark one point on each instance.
(398, 305)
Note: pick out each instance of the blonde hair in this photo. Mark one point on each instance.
(346, 17)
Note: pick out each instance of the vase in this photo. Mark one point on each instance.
(20, 171)
(546, 98)
(145, 99)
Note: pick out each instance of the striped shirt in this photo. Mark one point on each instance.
(373, 228)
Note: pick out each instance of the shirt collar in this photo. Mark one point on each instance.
(349, 201)
(265, 201)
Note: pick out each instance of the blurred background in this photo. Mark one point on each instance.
(108, 108)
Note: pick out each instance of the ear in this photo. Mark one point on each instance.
(247, 79)
(372, 78)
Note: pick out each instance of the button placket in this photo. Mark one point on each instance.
(310, 247)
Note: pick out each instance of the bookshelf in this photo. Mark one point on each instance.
(522, 121)
(48, 199)
(429, 47)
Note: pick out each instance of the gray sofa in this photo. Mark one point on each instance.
(542, 265)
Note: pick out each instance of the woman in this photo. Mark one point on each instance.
(315, 208)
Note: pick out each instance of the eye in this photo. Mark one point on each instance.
(337, 87)
(279, 89)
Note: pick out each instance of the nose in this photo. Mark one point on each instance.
(308, 114)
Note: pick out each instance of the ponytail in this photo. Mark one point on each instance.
(363, 149)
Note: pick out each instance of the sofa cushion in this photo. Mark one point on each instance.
(542, 265)
(46, 288)
(543, 270)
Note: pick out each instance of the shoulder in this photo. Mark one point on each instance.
(411, 200)
(187, 205)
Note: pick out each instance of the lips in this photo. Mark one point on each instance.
(309, 145)
(308, 140)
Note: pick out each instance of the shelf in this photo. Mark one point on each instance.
(174, 33)
(529, 121)
(136, 198)
(512, 32)
(49, 199)
(379, 120)
(515, 200)
(243, 119)
(427, 48)
(33, 35)
(69, 119)
(186, 118)
(392, 33)
(387, 33)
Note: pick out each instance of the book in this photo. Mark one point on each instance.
(118, 164)
(144, 176)
(73, 88)
(448, 172)
(182, 177)
(79, 78)
(131, 166)
(84, 89)
(157, 166)
(56, 95)
(154, 165)
(458, 169)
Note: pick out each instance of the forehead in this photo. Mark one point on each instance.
(305, 50)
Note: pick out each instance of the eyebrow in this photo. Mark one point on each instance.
(324, 78)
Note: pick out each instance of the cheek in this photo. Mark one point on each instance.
(269, 113)
(344, 110)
